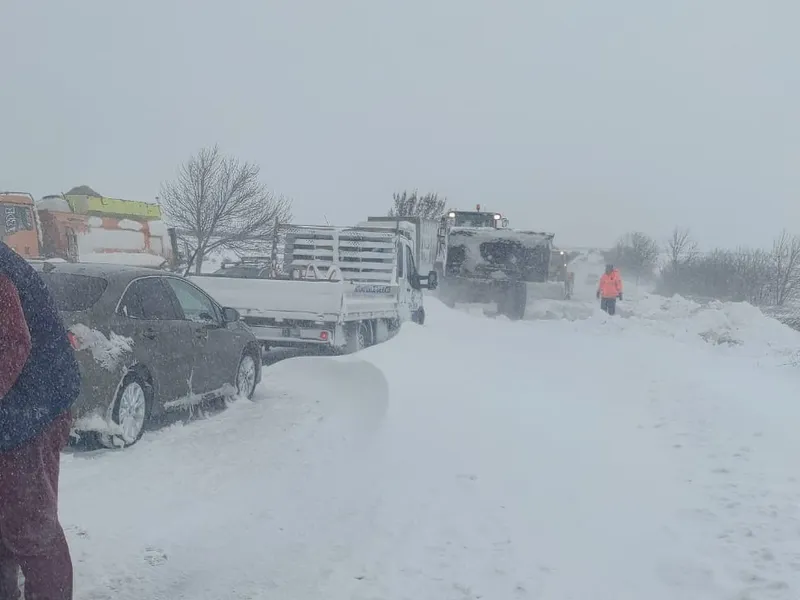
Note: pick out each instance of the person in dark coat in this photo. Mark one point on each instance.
(39, 381)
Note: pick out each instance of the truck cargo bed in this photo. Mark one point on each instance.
(298, 313)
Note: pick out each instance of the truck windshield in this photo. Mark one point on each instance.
(16, 217)
(475, 219)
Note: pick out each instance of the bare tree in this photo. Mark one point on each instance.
(785, 268)
(428, 206)
(760, 277)
(682, 252)
(753, 268)
(637, 253)
(682, 249)
(217, 202)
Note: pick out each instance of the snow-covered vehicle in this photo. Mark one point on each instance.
(343, 288)
(560, 273)
(147, 342)
(488, 262)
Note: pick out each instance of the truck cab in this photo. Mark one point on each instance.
(477, 218)
(20, 227)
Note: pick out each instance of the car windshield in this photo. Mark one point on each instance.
(74, 292)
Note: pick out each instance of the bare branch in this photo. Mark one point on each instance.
(636, 253)
(429, 206)
(217, 202)
(785, 268)
(682, 249)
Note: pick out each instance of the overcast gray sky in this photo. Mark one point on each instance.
(582, 117)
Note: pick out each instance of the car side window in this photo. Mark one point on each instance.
(131, 304)
(195, 304)
(148, 299)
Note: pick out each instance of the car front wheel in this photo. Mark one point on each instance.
(246, 376)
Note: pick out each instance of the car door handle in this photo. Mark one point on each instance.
(150, 334)
(201, 334)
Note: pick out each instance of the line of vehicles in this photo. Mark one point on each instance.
(349, 287)
(149, 340)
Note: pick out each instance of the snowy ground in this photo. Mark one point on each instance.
(585, 457)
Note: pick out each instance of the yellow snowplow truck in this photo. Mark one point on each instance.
(489, 263)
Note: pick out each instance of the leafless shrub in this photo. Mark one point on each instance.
(636, 254)
(785, 268)
(428, 206)
(757, 276)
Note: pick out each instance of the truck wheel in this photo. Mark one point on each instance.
(359, 336)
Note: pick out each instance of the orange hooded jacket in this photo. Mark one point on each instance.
(610, 285)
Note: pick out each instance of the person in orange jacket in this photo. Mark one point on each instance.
(609, 289)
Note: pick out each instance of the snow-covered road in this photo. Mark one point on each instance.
(472, 458)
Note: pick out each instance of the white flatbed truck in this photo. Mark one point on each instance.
(344, 288)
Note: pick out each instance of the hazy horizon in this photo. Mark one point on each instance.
(588, 120)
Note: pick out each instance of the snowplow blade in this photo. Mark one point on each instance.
(499, 254)
(499, 266)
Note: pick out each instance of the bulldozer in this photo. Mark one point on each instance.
(489, 263)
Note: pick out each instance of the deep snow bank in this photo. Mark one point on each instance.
(718, 431)
(720, 323)
(736, 327)
(469, 458)
(220, 508)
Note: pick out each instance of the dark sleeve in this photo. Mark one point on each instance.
(15, 338)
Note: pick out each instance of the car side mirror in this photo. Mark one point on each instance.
(230, 315)
(433, 280)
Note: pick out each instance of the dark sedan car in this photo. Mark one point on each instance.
(147, 341)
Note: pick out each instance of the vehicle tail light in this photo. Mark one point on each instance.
(323, 335)
(73, 341)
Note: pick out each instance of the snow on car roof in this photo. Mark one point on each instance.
(99, 270)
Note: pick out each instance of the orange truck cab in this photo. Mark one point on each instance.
(19, 224)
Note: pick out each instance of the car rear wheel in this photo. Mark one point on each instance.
(246, 376)
(130, 413)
